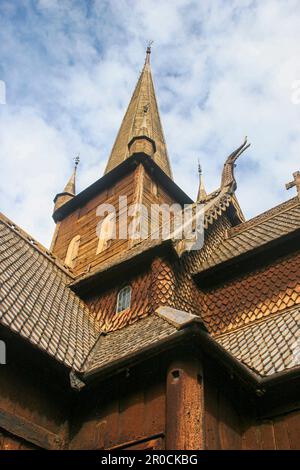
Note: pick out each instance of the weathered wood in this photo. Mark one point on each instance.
(149, 443)
(30, 432)
(281, 434)
(184, 409)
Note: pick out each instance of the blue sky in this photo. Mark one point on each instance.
(223, 69)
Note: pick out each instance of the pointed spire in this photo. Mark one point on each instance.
(201, 190)
(141, 119)
(70, 189)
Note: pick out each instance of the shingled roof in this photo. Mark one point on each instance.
(36, 302)
(269, 346)
(266, 347)
(117, 345)
(269, 226)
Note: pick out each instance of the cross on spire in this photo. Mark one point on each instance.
(295, 182)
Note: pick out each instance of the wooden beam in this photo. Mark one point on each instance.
(29, 431)
(184, 410)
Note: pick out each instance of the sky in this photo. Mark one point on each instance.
(223, 69)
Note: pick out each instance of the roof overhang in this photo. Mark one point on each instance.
(121, 265)
(249, 260)
(194, 334)
(128, 165)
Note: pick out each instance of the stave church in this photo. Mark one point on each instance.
(144, 343)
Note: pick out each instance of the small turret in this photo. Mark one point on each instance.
(70, 189)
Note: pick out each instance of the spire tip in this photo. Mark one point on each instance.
(76, 161)
(148, 52)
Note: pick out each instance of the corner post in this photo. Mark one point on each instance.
(184, 405)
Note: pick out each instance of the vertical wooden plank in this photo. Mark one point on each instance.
(184, 408)
(132, 416)
(211, 405)
(112, 424)
(281, 435)
(228, 423)
(267, 435)
(251, 438)
(155, 409)
(292, 421)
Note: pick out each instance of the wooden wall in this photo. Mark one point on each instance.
(34, 403)
(139, 188)
(238, 420)
(102, 302)
(121, 413)
(171, 401)
(83, 222)
(157, 405)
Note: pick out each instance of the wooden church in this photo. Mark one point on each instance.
(144, 343)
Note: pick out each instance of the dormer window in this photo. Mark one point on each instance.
(72, 252)
(124, 299)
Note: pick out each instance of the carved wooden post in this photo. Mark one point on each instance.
(184, 409)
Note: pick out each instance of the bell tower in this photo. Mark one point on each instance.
(138, 171)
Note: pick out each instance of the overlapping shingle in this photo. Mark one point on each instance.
(259, 231)
(267, 347)
(117, 345)
(36, 302)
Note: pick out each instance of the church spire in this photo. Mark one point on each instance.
(70, 189)
(201, 191)
(141, 119)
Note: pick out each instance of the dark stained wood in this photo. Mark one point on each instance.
(185, 406)
(29, 431)
(127, 412)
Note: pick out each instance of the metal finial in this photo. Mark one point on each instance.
(77, 160)
(148, 51)
(149, 46)
(199, 168)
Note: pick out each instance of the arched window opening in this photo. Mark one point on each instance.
(124, 299)
(106, 233)
(154, 189)
(72, 252)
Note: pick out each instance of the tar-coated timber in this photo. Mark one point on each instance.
(29, 431)
(184, 405)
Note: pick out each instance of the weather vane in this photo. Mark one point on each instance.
(199, 167)
(77, 160)
(149, 44)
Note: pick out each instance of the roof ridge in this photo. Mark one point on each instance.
(264, 216)
(35, 244)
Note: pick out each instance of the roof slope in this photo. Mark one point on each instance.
(257, 232)
(114, 346)
(267, 347)
(36, 302)
(142, 110)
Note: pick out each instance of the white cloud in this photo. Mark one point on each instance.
(222, 69)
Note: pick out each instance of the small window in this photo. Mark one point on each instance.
(124, 299)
